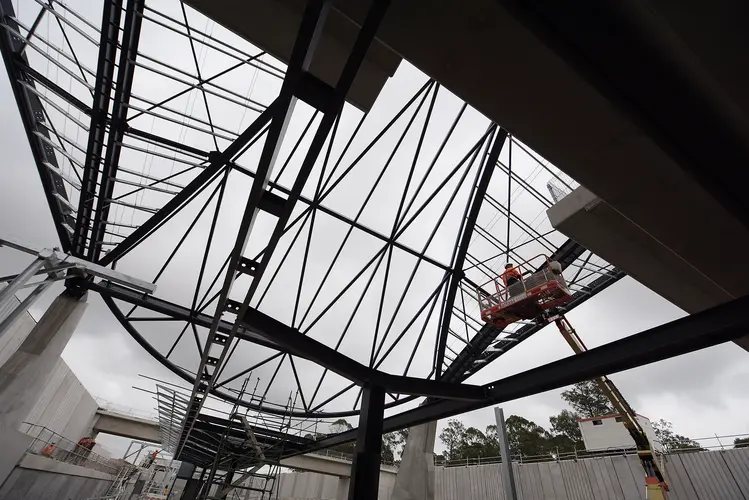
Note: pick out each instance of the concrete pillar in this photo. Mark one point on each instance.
(342, 490)
(415, 479)
(23, 376)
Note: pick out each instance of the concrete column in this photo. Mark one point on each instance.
(23, 376)
(342, 490)
(415, 479)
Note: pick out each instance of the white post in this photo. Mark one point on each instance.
(508, 478)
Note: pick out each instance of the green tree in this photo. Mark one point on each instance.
(741, 443)
(588, 400)
(492, 441)
(566, 436)
(671, 441)
(526, 437)
(477, 444)
(452, 437)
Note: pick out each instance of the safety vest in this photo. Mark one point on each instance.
(510, 273)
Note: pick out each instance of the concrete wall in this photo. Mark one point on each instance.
(716, 475)
(64, 406)
(313, 486)
(37, 478)
(17, 332)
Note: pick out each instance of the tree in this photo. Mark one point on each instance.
(452, 436)
(588, 400)
(477, 444)
(389, 444)
(402, 438)
(526, 437)
(566, 436)
(342, 425)
(741, 443)
(671, 441)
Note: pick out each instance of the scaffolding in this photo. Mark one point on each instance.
(238, 451)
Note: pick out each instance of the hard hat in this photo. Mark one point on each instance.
(508, 265)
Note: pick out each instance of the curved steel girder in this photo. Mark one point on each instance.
(111, 291)
(189, 377)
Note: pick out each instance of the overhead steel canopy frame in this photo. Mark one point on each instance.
(95, 168)
(356, 241)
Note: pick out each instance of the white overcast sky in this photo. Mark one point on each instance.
(702, 394)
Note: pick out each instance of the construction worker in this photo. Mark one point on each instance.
(510, 276)
(47, 451)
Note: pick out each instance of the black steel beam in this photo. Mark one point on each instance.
(125, 73)
(108, 41)
(292, 341)
(166, 142)
(31, 111)
(305, 43)
(213, 422)
(365, 469)
(714, 326)
(215, 164)
(114, 291)
(49, 84)
(465, 240)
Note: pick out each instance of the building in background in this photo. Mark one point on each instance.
(608, 433)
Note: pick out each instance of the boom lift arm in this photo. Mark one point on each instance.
(655, 480)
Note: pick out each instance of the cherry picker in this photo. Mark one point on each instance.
(535, 293)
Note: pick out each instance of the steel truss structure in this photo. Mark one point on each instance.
(332, 252)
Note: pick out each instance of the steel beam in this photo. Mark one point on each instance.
(308, 36)
(32, 111)
(705, 329)
(108, 41)
(465, 240)
(292, 341)
(125, 72)
(216, 163)
(113, 291)
(365, 469)
(304, 48)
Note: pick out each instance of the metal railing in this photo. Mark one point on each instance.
(52, 445)
(506, 295)
(126, 410)
(582, 454)
(346, 456)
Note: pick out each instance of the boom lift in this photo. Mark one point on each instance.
(655, 481)
(537, 298)
(540, 287)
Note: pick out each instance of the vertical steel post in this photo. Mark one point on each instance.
(508, 478)
(365, 469)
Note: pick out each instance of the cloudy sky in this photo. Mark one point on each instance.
(701, 393)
